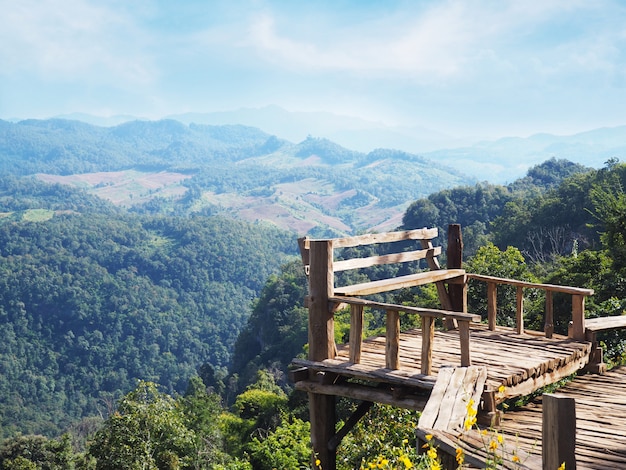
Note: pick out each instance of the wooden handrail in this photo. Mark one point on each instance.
(577, 325)
(392, 344)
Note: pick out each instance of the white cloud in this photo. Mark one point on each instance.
(71, 40)
(447, 40)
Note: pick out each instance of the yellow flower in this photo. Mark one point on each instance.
(428, 437)
(501, 389)
(435, 465)
(493, 445)
(516, 459)
(562, 467)
(317, 462)
(406, 461)
(432, 453)
(460, 456)
(500, 438)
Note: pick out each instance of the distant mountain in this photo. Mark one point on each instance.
(499, 161)
(506, 159)
(169, 167)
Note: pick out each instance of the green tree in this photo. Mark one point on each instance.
(37, 453)
(509, 264)
(147, 431)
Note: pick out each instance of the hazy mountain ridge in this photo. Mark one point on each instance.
(230, 169)
(497, 161)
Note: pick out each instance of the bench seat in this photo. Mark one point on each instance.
(605, 323)
(411, 280)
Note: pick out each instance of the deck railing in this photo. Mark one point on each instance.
(577, 324)
(392, 336)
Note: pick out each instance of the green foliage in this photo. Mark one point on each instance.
(276, 330)
(509, 264)
(37, 452)
(146, 432)
(90, 303)
(383, 429)
(287, 447)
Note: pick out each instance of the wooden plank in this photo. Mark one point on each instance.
(448, 405)
(605, 323)
(392, 352)
(431, 410)
(411, 280)
(428, 336)
(321, 321)
(464, 338)
(492, 304)
(559, 431)
(428, 312)
(403, 257)
(519, 311)
(534, 285)
(578, 317)
(548, 327)
(388, 237)
(356, 332)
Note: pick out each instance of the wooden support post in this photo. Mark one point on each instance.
(558, 432)
(458, 297)
(321, 347)
(442, 292)
(548, 327)
(578, 317)
(492, 304)
(428, 336)
(354, 418)
(519, 313)
(464, 336)
(392, 353)
(356, 333)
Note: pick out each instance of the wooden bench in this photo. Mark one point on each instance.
(427, 251)
(593, 326)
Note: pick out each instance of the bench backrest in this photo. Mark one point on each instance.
(426, 251)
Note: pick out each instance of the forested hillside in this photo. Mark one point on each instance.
(92, 301)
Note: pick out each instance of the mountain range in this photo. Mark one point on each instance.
(497, 161)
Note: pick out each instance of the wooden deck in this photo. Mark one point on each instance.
(521, 363)
(600, 424)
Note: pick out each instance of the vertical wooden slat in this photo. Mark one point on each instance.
(356, 333)
(548, 327)
(454, 260)
(321, 346)
(428, 336)
(321, 319)
(558, 432)
(578, 317)
(392, 356)
(519, 311)
(464, 337)
(492, 304)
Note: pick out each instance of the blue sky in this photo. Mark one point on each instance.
(476, 67)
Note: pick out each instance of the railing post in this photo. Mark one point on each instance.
(558, 432)
(492, 304)
(321, 346)
(356, 333)
(519, 311)
(548, 327)
(392, 353)
(454, 256)
(428, 336)
(578, 317)
(464, 336)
